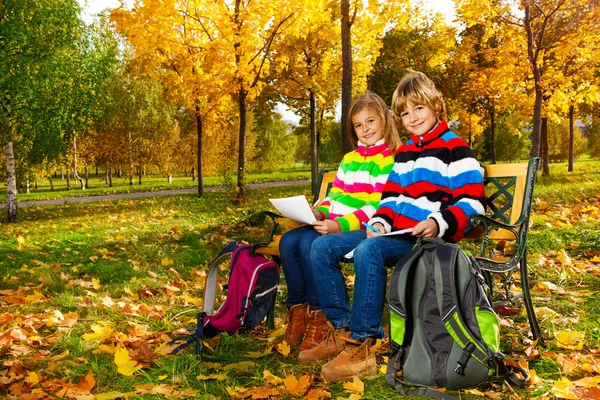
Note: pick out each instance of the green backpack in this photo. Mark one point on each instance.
(443, 330)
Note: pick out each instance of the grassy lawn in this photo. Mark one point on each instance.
(82, 282)
(98, 186)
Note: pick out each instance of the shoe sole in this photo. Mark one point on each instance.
(342, 378)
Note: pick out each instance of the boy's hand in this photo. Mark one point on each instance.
(427, 228)
(326, 227)
(379, 226)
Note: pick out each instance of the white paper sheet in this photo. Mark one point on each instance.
(295, 208)
(350, 254)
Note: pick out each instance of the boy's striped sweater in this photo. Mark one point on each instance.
(358, 184)
(437, 176)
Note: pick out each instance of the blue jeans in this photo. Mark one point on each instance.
(294, 250)
(370, 260)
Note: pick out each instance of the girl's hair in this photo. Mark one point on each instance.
(415, 88)
(374, 102)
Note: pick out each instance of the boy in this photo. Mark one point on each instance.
(435, 186)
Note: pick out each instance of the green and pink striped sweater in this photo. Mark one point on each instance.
(356, 191)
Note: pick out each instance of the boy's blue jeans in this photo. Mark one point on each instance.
(370, 260)
(294, 251)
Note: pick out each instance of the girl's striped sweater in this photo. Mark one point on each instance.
(358, 184)
(437, 176)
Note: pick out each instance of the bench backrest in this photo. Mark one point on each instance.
(505, 186)
(323, 186)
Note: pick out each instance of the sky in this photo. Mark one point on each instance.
(93, 7)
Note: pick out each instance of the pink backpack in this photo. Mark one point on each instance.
(251, 292)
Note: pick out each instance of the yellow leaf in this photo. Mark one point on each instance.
(125, 365)
(119, 237)
(595, 259)
(588, 382)
(241, 366)
(162, 377)
(165, 262)
(21, 240)
(383, 368)
(475, 392)
(570, 339)
(218, 377)
(356, 386)
(544, 312)
(283, 348)
(564, 258)
(259, 354)
(32, 378)
(546, 286)
(110, 396)
(297, 387)
(100, 333)
(563, 389)
(96, 283)
(272, 379)
(317, 394)
(93, 258)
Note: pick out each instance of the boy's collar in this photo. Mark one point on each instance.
(434, 133)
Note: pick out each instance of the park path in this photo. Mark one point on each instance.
(138, 195)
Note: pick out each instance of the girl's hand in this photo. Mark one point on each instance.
(318, 214)
(372, 233)
(427, 228)
(326, 227)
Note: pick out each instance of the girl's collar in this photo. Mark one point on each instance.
(434, 133)
(378, 143)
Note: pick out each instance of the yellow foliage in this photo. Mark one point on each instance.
(125, 365)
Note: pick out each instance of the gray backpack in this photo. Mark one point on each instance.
(443, 330)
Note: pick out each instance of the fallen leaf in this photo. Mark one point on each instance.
(100, 333)
(272, 379)
(125, 365)
(259, 354)
(356, 386)
(283, 348)
(570, 339)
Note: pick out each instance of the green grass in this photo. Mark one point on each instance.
(140, 250)
(98, 186)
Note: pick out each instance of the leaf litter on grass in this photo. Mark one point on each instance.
(89, 293)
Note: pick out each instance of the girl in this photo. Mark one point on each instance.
(353, 199)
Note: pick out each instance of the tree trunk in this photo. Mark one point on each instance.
(314, 142)
(199, 150)
(87, 176)
(109, 176)
(193, 174)
(51, 183)
(96, 169)
(545, 147)
(75, 173)
(241, 178)
(11, 184)
(346, 74)
(493, 134)
(170, 178)
(537, 80)
(27, 185)
(571, 137)
(68, 174)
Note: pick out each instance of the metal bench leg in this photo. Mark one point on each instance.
(271, 314)
(533, 323)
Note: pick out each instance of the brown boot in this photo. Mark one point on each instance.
(315, 329)
(357, 359)
(297, 319)
(330, 346)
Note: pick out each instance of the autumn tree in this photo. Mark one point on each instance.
(43, 74)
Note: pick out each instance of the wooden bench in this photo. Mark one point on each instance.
(509, 190)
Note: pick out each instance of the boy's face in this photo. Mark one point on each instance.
(418, 119)
(368, 126)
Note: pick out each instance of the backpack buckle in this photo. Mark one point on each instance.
(462, 362)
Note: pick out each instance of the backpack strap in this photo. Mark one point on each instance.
(195, 338)
(210, 288)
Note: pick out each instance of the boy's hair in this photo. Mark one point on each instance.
(415, 88)
(374, 102)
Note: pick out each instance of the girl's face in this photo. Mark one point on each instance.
(368, 126)
(419, 119)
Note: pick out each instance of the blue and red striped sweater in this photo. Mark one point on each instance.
(435, 175)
